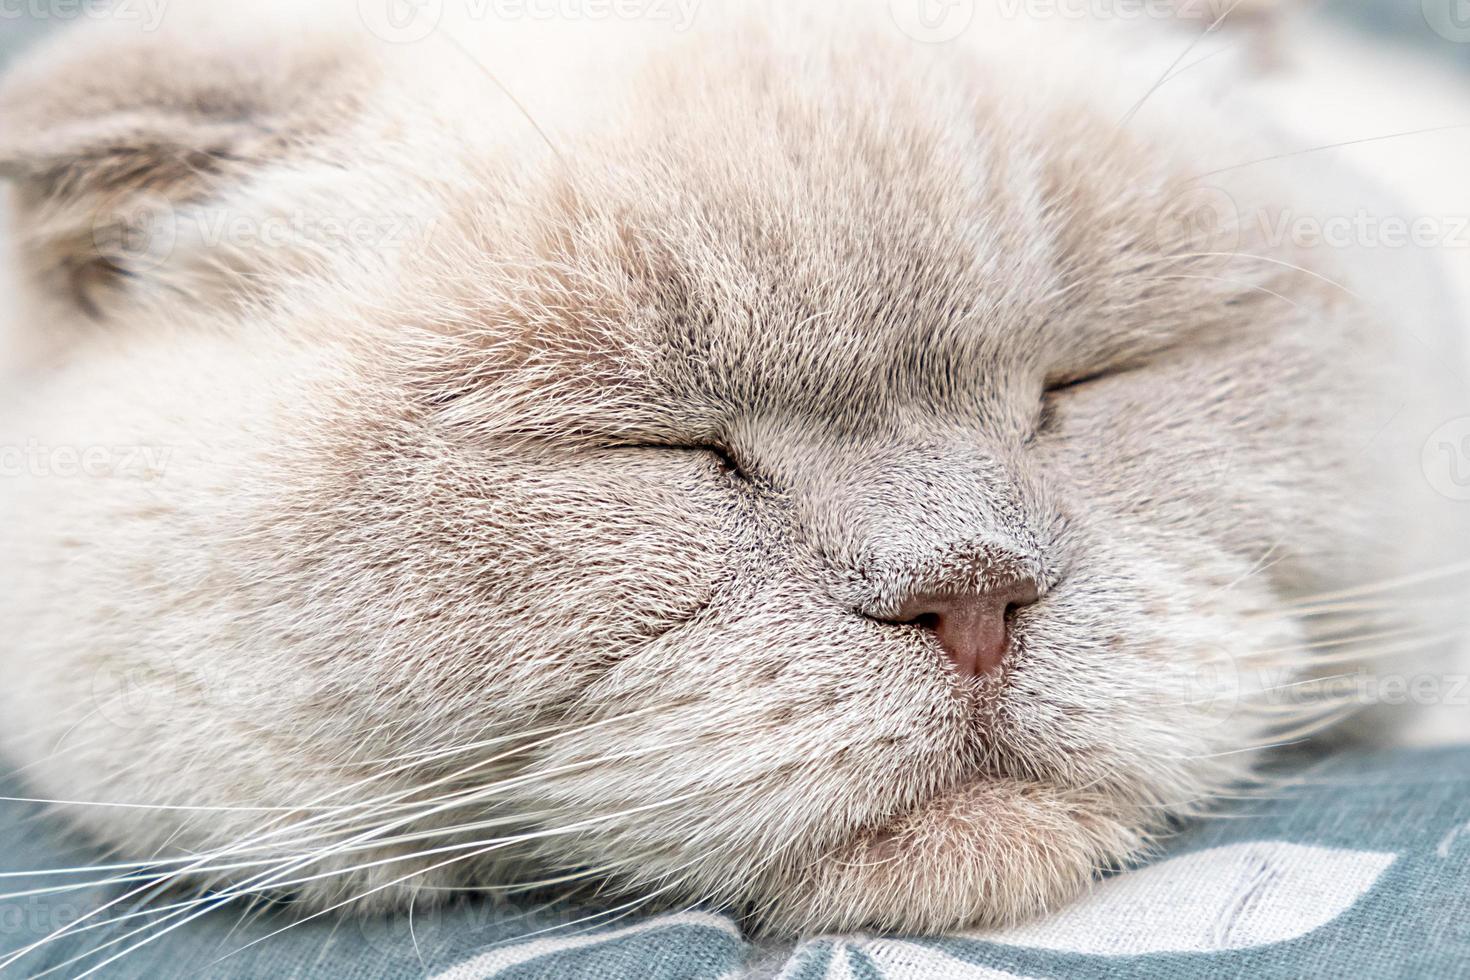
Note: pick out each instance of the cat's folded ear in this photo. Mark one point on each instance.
(120, 139)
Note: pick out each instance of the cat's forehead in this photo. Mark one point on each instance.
(845, 253)
(837, 294)
(747, 298)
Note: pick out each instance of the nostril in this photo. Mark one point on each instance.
(929, 621)
(971, 627)
(1023, 592)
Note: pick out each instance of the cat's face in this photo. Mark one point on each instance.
(603, 507)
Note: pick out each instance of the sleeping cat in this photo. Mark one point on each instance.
(784, 464)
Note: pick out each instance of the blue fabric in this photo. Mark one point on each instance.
(1360, 869)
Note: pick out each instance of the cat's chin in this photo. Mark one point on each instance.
(991, 853)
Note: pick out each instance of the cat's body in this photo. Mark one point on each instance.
(409, 558)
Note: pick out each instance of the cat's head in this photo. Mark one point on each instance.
(824, 473)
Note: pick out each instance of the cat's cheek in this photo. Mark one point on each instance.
(589, 565)
(469, 587)
(1144, 673)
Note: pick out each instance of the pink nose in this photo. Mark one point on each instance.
(971, 627)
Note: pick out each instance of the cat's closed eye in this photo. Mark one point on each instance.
(720, 457)
(1055, 390)
(1073, 382)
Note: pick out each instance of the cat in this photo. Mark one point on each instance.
(859, 481)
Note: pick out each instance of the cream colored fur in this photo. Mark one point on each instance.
(427, 530)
